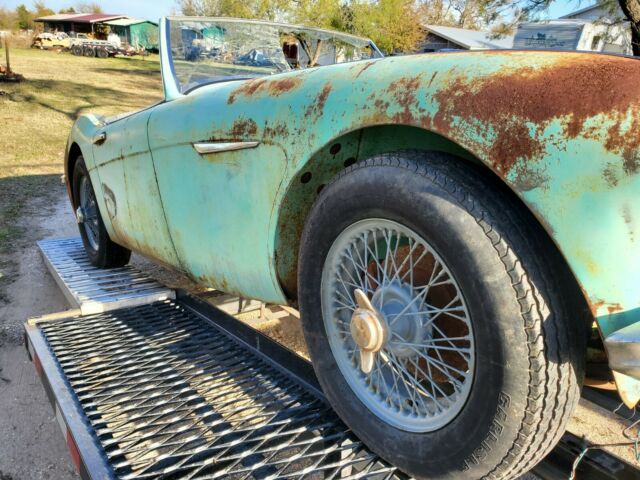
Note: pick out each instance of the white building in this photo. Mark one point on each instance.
(592, 28)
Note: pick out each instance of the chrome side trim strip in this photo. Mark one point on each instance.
(204, 148)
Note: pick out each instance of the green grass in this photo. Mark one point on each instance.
(37, 113)
(36, 116)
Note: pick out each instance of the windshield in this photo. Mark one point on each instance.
(209, 50)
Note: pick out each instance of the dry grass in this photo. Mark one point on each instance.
(36, 116)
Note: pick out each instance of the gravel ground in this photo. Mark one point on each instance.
(31, 445)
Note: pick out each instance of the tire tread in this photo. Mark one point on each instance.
(553, 390)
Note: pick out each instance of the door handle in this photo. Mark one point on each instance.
(100, 138)
(217, 147)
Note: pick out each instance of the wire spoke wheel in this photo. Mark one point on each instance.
(419, 374)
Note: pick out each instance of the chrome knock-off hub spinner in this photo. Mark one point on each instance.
(368, 329)
(80, 217)
(403, 315)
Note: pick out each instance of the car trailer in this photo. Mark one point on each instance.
(94, 48)
(147, 382)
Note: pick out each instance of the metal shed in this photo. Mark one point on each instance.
(135, 32)
(75, 22)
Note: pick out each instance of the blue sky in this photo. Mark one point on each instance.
(154, 9)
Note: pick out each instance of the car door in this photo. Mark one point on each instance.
(129, 188)
(218, 191)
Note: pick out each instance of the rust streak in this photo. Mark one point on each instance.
(273, 87)
(363, 69)
(404, 91)
(317, 107)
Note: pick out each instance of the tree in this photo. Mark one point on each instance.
(7, 19)
(24, 18)
(256, 9)
(393, 25)
(631, 10)
(319, 13)
(67, 10)
(88, 7)
(41, 10)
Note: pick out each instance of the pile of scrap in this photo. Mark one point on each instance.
(6, 74)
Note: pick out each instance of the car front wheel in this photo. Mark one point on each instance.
(435, 321)
(102, 252)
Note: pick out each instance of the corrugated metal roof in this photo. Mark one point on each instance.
(471, 39)
(80, 17)
(125, 22)
(97, 17)
(59, 16)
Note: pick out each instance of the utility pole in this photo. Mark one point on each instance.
(6, 53)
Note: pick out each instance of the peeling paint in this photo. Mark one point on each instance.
(560, 129)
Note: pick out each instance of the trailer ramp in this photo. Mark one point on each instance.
(95, 290)
(178, 389)
(168, 393)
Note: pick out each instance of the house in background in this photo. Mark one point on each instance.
(121, 30)
(134, 32)
(593, 28)
(595, 13)
(75, 22)
(439, 38)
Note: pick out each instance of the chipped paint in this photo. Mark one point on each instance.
(560, 129)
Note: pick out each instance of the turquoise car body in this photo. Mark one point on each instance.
(561, 129)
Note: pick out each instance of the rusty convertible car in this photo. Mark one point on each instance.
(460, 231)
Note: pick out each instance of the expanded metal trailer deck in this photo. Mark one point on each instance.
(176, 388)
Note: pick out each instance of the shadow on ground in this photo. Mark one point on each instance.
(54, 95)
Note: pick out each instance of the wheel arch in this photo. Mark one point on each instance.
(344, 150)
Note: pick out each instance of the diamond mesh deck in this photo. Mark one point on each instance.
(95, 290)
(170, 394)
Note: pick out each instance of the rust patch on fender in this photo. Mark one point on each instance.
(248, 88)
(574, 89)
(243, 129)
(322, 97)
(259, 85)
(278, 131)
(404, 92)
(317, 107)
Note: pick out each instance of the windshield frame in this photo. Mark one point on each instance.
(170, 82)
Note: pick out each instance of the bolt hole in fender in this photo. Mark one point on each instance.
(423, 304)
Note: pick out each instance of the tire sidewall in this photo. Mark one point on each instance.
(95, 256)
(480, 435)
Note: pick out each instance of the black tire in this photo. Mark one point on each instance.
(76, 50)
(108, 254)
(102, 53)
(89, 52)
(530, 344)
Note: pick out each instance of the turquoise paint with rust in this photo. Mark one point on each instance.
(577, 168)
